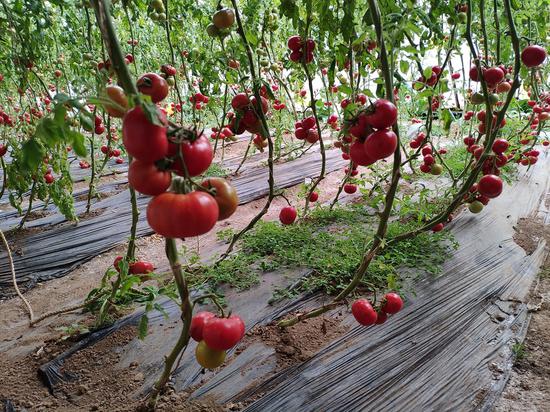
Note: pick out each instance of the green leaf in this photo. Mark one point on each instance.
(77, 141)
(49, 132)
(427, 73)
(152, 113)
(32, 154)
(426, 93)
(143, 326)
(404, 66)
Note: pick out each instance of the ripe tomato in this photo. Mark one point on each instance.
(175, 215)
(313, 197)
(493, 75)
(153, 85)
(143, 140)
(490, 186)
(359, 155)
(116, 94)
(533, 55)
(382, 114)
(224, 18)
(3, 149)
(392, 303)
(223, 333)
(381, 144)
(264, 103)
(140, 267)
(363, 312)
(226, 196)
(312, 136)
(294, 43)
(209, 358)
(197, 156)
(437, 228)
(350, 188)
(287, 216)
(197, 323)
(240, 101)
(48, 178)
(500, 146)
(146, 178)
(381, 317)
(308, 122)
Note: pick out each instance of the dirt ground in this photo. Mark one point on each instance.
(528, 389)
(24, 349)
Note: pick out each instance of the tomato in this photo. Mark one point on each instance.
(224, 18)
(143, 140)
(381, 144)
(48, 178)
(226, 196)
(153, 85)
(382, 114)
(308, 122)
(474, 75)
(500, 146)
(146, 178)
(350, 188)
(392, 303)
(426, 150)
(313, 197)
(359, 155)
(381, 317)
(533, 55)
(116, 94)
(312, 136)
(140, 267)
(476, 206)
(3, 149)
(490, 186)
(265, 105)
(300, 133)
(223, 333)
(425, 168)
(504, 87)
(197, 155)
(287, 215)
(437, 228)
(197, 323)
(175, 215)
(493, 75)
(294, 43)
(436, 169)
(429, 160)
(363, 312)
(240, 101)
(209, 358)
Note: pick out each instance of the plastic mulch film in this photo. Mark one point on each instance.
(449, 349)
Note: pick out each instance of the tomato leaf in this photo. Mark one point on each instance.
(32, 154)
(152, 113)
(77, 141)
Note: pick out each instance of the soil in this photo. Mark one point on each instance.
(528, 389)
(101, 387)
(300, 342)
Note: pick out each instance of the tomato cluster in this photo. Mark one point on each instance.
(429, 164)
(185, 212)
(306, 129)
(366, 315)
(246, 117)
(300, 49)
(215, 335)
(138, 267)
(370, 135)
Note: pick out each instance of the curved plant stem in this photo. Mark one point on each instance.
(271, 180)
(378, 241)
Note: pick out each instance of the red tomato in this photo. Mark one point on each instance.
(350, 188)
(381, 144)
(308, 122)
(490, 186)
(140, 267)
(533, 55)
(223, 333)
(153, 85)
(493, 75)
(146, 178)
(392, 303)
(287, 216)
(381, 317)
(197, 156)
(3, 149)
(176, 215)
(240, 101)
(294, 43)
(48, 178)
(363, 312)
(437, 228)
(143, 140)
(500, 146)
(359, 155)
(382, 114)
(116, 94)
(197, 324)
(313, 197)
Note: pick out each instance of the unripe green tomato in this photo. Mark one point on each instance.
(264, 62)
(212, 30)
(476, 206)
(154, 16)
(171, 81)
(261, 52)
(157, 5)
(162, 16)
(437, 169)
(493, 98)
(477, 98)
(462, 17)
